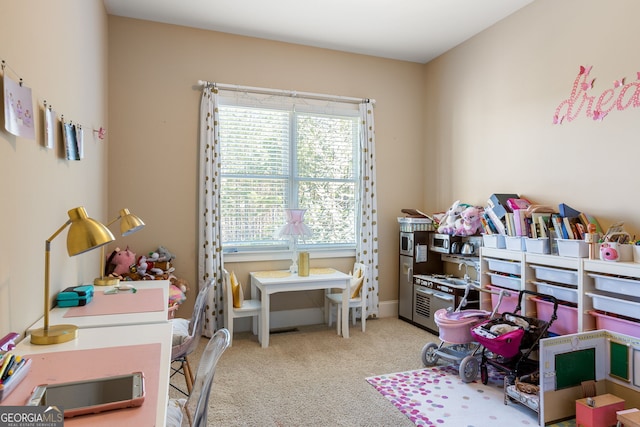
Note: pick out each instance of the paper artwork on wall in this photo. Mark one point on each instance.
(49, 128)
(18, 109)
(80, 141)
(70, 142)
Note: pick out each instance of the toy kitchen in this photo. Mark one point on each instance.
(432, 268)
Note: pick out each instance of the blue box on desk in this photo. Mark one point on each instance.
(74, 296)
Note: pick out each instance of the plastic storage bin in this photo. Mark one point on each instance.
(567, 321)
(504, 266)
(515, 243)
(508, 304)
(561, 293)
(618, 285)
(537, 246)
(557, 275)
(507, 282)
(608, 302)
(573, 248)
(616, 324)
(493, 241)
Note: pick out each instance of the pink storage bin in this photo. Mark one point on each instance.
(508, 304)
(616, 324)
(567, 321)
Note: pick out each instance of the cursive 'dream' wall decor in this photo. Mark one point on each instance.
(596, 107)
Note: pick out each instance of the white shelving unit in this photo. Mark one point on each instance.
(621, 286)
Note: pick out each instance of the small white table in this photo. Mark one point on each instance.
(271, 282)
(57, 314)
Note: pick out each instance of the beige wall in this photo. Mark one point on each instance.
(491, 102)
(153, 108)
(59, 50)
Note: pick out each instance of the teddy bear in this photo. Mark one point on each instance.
(469, 222)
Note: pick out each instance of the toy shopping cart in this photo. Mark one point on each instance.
(456, 343)
(509, 340)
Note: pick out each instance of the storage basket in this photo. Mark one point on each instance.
(567, 321)
(508, 303)
(616, 324)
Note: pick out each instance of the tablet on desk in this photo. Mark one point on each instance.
(91, 396)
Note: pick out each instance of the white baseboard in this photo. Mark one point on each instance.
(308, 316)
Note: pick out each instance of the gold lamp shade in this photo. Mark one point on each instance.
(84, 234)
(129, 224)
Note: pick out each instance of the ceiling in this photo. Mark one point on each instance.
(409, 30)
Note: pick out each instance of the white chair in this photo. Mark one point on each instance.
(357, 300)
(248, 308)
(186, 336)
(196, 405)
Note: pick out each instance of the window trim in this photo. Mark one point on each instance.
(343, 107)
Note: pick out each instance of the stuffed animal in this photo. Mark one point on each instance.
(447, 223)
(120, 262)
(469, 222)
(177, 291)
(164, 254)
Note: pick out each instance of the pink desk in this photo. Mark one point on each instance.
(99, 352)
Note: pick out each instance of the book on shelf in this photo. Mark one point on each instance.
(498, 202)
(567, 211)
(587, 219)
(558, 227)
(489, 223)
(495, 220)
(520, 203)
(541, 219)
(519, 218)
(510, 223)
(567, 227)
(544, 227)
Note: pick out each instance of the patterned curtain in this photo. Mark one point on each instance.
(367, 248)
(210, 252)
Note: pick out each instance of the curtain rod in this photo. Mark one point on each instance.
(291, 93)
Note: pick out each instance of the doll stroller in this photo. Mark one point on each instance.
(456, 343)
(509, 340)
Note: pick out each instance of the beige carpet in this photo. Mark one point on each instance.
(313, 377)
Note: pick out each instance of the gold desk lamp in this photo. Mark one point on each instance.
(129, 224)
(84, 235)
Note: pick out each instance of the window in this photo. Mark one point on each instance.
(275, 156)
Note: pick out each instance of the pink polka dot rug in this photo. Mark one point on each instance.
(437, 396)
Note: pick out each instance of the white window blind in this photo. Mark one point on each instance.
(279, 153)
